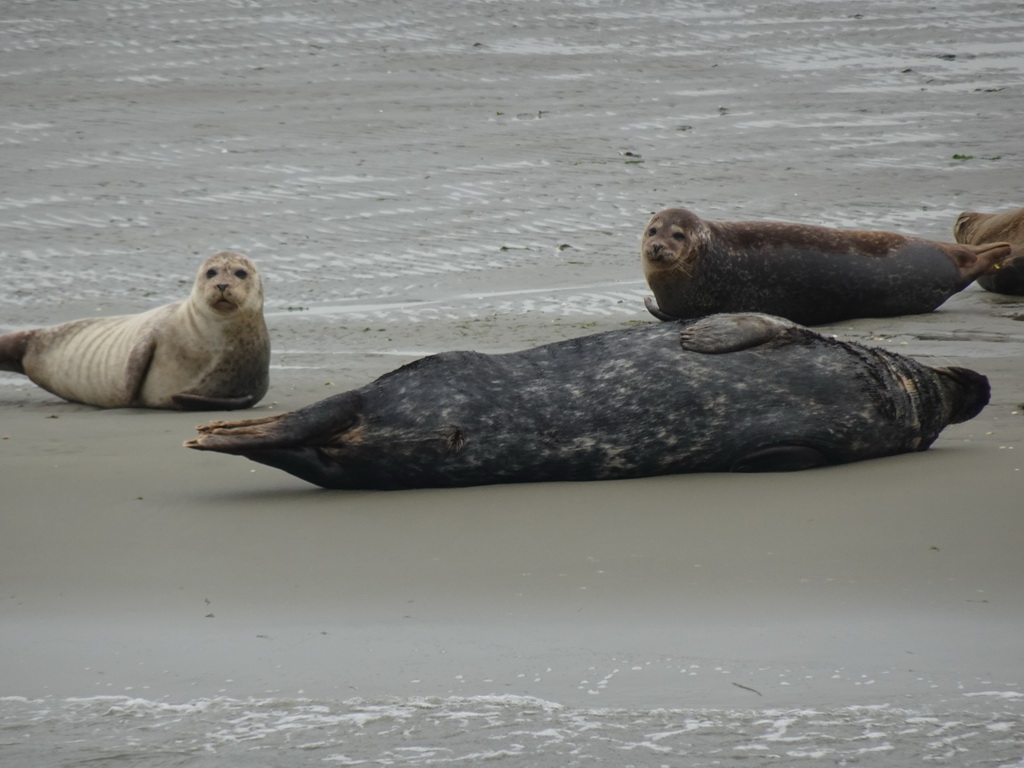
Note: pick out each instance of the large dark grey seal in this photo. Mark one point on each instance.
(808, 274)
(979, 228)
(743, 392)
(210, 351)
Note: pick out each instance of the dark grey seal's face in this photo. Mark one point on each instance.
(228, 282)
(671, 241)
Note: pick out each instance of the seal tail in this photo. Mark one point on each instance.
(967, 391)
(12, 350)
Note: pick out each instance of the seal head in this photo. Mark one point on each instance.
(979, 228)
(674, 240)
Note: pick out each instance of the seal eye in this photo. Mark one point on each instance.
(679, 236)
(211, 272)
(241, 274)
(652, 231)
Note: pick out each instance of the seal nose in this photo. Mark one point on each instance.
(654, 250)
(222, 287)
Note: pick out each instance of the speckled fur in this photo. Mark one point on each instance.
(645, 401)
(978, 228)
(806, 273)
(209, 351)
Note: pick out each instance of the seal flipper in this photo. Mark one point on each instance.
(297, 442)
(718, 334)
(137, 367)
(190, 402)
(654, 309)
(12, 350)
(1014, 260)
(990, 256)
(316, 425)
(309, 464)
(781, 458)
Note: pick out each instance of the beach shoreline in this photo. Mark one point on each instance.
(477, 176)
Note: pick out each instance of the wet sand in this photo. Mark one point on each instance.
(133, 565)
(476, 176)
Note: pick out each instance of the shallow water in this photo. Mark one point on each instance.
(502, 730)
(413, 164)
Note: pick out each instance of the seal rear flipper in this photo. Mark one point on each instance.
(654, 309)
(309, 464)
(781, 458)
(12, 350)
(984, 258)
(319, 424)
(718, 334)
(1015, 260)
(189, 402)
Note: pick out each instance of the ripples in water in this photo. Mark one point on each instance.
(514, 730)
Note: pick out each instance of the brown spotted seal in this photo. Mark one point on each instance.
(739, 392)
(209, 351)
(979, 228)
(806, 273)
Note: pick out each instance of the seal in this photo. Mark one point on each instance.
(731, 392)
(808, 274)
(210, 351)
(979, 228)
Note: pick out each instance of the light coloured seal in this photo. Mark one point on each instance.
(740, 392)
(806, 273)
(210, 351)
(978, 228)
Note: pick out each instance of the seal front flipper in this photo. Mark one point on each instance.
(781, 458)
(718, 334)
(654, 309)
(190, 402)
(139, 359)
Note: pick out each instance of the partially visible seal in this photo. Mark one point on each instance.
(808, 274)
(744, 392)
(979, 228)
(210, 351)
